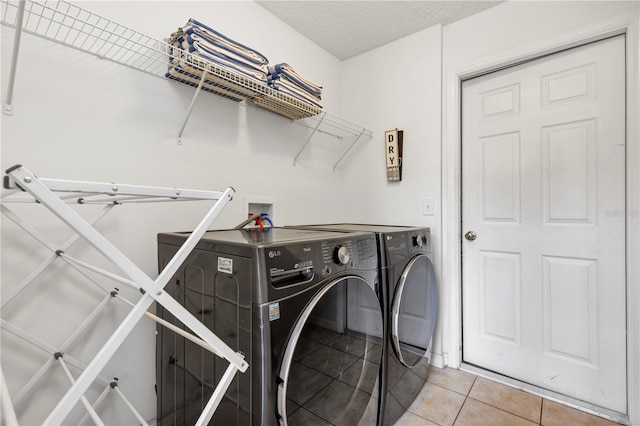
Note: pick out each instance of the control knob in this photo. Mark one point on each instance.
(419, 240)
(341, 255)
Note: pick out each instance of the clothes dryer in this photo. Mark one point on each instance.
(409, 297)
(285, 298)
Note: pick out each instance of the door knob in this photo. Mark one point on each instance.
(470, 235)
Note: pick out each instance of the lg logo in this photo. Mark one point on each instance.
(274, 253)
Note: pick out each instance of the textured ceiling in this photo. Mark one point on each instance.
(348, 28)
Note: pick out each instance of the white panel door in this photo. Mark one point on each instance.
(543, 171)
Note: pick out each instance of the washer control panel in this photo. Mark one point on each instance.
(337, 253)
(298, 263)
(291, 264)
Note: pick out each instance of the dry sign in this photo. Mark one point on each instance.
(393, 146)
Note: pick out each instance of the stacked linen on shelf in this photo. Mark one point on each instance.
(233, 70)
(285, 79)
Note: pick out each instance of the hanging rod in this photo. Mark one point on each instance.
(7, 108)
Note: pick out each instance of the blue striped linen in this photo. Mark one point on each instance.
(207, 49)
(295, 91)
(237, 66)
(234, 71)
(215, 38)
(188, 67)
(285, 70)
(282, 79)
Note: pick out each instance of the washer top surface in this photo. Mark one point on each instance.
(261, 236)
(364, 227)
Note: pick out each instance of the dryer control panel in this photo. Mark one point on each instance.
(404, 244)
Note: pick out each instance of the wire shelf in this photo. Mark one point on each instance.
(78, 28)
(67, 24)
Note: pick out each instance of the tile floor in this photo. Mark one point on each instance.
(455, 397)
(332, 379)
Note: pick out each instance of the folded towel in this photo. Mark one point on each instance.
(213, 37)
(230, 80)
(287, 70)
(200, 45)
(238, 72)
(239, 67)
(294, 91)
(284, 79)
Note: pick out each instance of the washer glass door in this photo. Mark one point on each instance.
(330, 373)
(413, 311)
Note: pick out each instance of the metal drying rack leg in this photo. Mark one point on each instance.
(62, 348)
(96, 404)
(87, 405)
(114, 386)
(42, 191)
(34, 233)
(9, 414)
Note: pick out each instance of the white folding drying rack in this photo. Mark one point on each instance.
(19, 182)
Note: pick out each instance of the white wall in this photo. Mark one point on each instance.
(398, 86)
(82, 118)
(516, 23)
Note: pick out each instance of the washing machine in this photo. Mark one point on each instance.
(301, 305)
(409, 298)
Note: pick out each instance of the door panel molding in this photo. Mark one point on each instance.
(502, 149)
(569, 156)
(556, 284)
(500, 274)
(627, 24)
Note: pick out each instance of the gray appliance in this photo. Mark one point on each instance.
(283, 298)
(409, 298)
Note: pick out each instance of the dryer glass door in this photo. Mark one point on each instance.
(413, 311)
(330, 373)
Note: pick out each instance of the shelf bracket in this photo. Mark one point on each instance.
(7, 105)
(193, 102)
(315, 129)
(353, 142)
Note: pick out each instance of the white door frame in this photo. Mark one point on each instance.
(628, 24)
